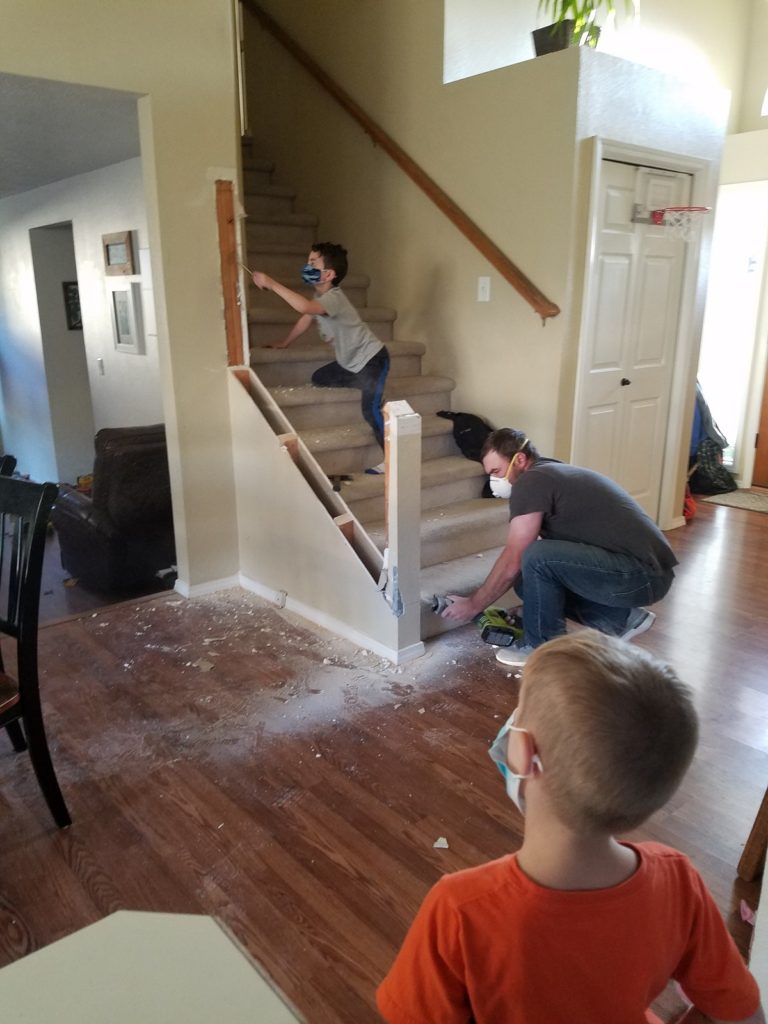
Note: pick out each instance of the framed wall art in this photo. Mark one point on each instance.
(72, 305)
(118, 254)
(127, 322)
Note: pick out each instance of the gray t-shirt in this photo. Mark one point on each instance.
(353, 341)
(586, 507)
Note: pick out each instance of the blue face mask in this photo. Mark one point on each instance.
(310, 274)
(498, 754)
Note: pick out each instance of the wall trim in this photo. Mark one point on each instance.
(333, 625)
(202, 589)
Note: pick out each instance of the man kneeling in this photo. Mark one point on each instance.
(578, 547)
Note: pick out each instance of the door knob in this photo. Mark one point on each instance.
(624, 381)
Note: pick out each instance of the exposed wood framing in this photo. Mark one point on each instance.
(225, 216)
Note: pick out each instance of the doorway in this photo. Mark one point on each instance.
(630, 329)
(63, 347)
(732, 362)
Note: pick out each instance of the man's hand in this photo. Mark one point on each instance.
(279, 344)
(262, 280)
(461, 609)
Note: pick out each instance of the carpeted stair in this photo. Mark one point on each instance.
(461, 532)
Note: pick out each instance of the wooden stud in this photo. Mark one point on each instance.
(225, 216)
(291, 443)
(346, 523)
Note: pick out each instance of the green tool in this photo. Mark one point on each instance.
(500, 626)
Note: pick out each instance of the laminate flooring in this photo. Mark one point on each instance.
(61, 596)
(221, 757)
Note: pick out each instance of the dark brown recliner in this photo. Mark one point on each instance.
(123, 535)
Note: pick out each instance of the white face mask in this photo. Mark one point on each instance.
(498, 754)
(500, 488)
(500, 485)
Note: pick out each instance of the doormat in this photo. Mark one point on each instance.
(755, 501)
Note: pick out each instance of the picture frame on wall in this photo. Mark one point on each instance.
(72, 305)
(127, 321)
(118, 254)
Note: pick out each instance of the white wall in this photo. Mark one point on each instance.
(66, 370)
(755, 81)
(128, 391)
(26, 416)
(745, 157)
(482, 35)
(694, 40)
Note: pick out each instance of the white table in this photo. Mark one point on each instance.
(133, 966)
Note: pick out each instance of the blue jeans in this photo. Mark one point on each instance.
(598, 588)
(370, 380)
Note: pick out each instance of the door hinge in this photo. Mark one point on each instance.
(757, 438)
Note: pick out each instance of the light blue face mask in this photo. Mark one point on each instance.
(310, 274)
(498, 754)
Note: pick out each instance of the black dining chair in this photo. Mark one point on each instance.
(24, 511)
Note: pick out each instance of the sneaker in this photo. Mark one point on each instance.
(639, 620)
(515, 655)
(376, 470)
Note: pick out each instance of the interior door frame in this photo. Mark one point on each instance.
(758, 379)
(693, 293)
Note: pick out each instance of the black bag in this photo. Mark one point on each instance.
(709, 475)
(469, 432)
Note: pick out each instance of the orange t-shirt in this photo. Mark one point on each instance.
(491, 946)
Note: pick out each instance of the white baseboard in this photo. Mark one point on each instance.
(201, 589)
(676, 523)
(333, 625)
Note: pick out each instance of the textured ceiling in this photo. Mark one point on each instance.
(53, 130)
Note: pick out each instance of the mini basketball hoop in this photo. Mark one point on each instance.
(681, 220)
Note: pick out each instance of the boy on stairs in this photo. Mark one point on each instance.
(362, 361)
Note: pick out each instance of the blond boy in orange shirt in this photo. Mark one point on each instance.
(578, 927)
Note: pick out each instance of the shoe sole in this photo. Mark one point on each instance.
(510, 664)
(643, 627)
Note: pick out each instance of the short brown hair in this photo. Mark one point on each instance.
(508, 442)
(334, 258)
(615, 728)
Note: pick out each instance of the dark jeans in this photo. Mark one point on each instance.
(371, 380)
(598, 588)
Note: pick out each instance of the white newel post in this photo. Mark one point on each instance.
(402, 453)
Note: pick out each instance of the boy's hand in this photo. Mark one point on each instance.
(262, 280)
(278, 344)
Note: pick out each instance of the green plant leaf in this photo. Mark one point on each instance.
(583, 13)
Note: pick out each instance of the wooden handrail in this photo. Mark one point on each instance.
(511, 273)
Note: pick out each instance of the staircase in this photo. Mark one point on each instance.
(461, 533)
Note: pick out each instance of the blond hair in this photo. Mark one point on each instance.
(615, 728)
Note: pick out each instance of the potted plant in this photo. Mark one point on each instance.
(574, 23)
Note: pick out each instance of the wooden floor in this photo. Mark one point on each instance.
(61, 595)
(219, 757)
